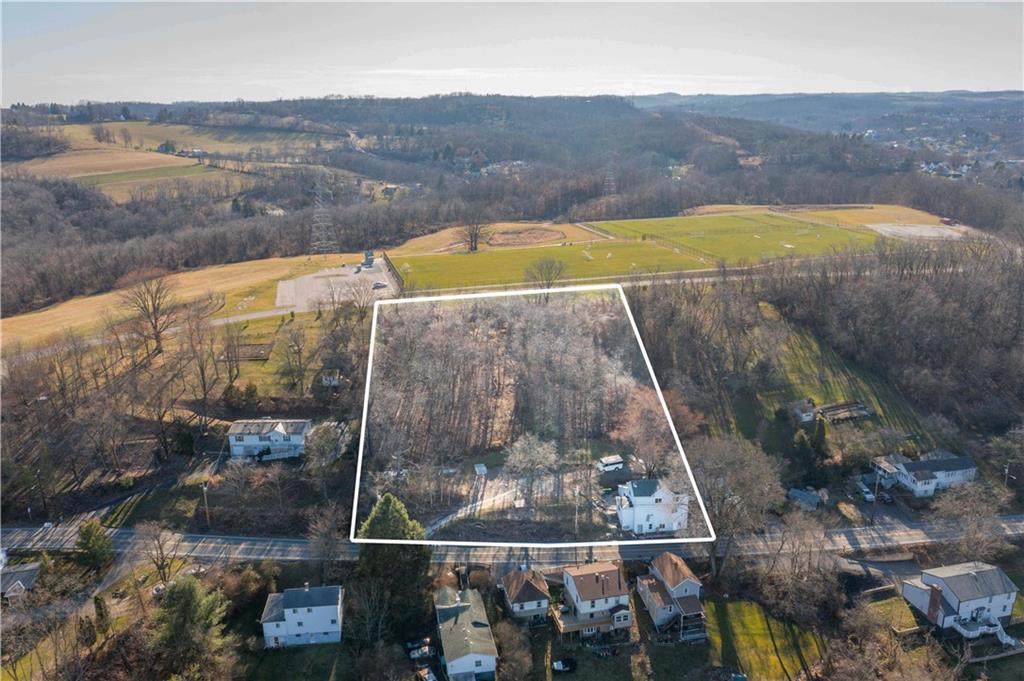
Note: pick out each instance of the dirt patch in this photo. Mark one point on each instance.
(525, 237)
(909, 231)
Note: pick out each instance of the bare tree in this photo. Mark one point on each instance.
(126, 137)
(545, 272)
(298, 358)
(369, 616)
(738, 483)
(476, 229)
(153, 302)
(326, 535)
(975, 508)
(200, 354)
(159, 546)
(359, 292)
(232, 339)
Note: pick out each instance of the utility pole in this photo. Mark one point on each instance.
(206, 505)
(1006, 475)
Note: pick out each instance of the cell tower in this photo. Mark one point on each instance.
(323, 240)
(609, 182)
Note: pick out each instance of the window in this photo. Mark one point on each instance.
(264, 438)
(309, 609)
(239, 438)
(591, 615)
(539, 603)
(287, 438)
(657, 500)
(593, 603)
(479, 663)
(333, 622)
(300, 624)
(606, 601)
(295, 611)
(277, 626)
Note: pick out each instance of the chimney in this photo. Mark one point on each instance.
(305, 585)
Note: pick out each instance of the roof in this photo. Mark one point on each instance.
(265, 426)
(938, 460)
(273, 611)
(462, 624)
(26, 573)
(642, 488)
(690, 605)
(673, 569)
(522, 586)
(659, 594)
(972, 580)
(611, 459)
(597, 580)
(803, 496)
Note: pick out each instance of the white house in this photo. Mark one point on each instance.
(268, 439)
(527, 595)
(468, 650)
(299, 617)
(970, 598)
(671, 593)
(596, 599)
(934, 471)
(650, 507)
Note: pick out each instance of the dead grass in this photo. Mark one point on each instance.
(236, 281)
(450, 240)
(81, 162)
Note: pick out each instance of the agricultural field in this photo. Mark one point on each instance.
(215, 139)
(501, 235)
(247, 286)
(601, 259)
(98, 160)
(739, 237)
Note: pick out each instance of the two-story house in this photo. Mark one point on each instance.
(650, 507)
(527, 595)
(970, 598)
(671, 593)
(936, 470)
(299, 617)
(468, 650)
(596, 600)
(268, 439)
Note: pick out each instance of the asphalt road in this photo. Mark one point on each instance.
(233, 548)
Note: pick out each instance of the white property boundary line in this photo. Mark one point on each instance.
(542, 545)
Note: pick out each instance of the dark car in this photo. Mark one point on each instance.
(885, 497)
(564, 665)
(418, 643)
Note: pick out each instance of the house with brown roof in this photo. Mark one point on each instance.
(596, 600)
(527, 595)
(671, 593)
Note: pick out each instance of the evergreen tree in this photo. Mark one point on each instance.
(103, 623)
(189, 634)
(86, 632)
(95, 547)
(400, 568)
(802, 449)
(819, 438)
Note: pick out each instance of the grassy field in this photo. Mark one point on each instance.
(870, 215)
(248, 287)
(894, 611)
(145, 174)
(146, 135)
(98, 160)
(742, 237)
(745, 637)
(507, 266)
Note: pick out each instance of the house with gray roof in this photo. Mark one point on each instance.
(17, 580)
(526, 592)
(268, 439)
(303, 616)
(934, 471)
(971, 598)
(468, 650)
(650, 507)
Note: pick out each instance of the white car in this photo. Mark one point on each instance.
(610, 463)
(421, 653)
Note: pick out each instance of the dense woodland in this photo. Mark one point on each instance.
(63, 240)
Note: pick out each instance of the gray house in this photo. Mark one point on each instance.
(468, 650)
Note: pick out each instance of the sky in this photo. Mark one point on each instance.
(205, 51)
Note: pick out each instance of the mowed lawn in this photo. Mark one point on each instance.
(745, 237)
(744, 637)
(248, 287)
(507, 266)
(145, 174)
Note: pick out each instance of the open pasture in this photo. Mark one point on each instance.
(741, 237)
(146, 135)
(98, 160)
(501, 235)
(247, 287)
(507, 266)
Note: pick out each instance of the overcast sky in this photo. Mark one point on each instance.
(171, 52)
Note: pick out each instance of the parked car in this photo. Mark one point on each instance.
(426, 674)
(885, 497)
(379, 285)
(564, 665)
(610, 463)
(418, 643)
(421, 653)
(865, 493)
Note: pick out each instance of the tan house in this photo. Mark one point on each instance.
(527, 595)
(596, 600)
(671, 593)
